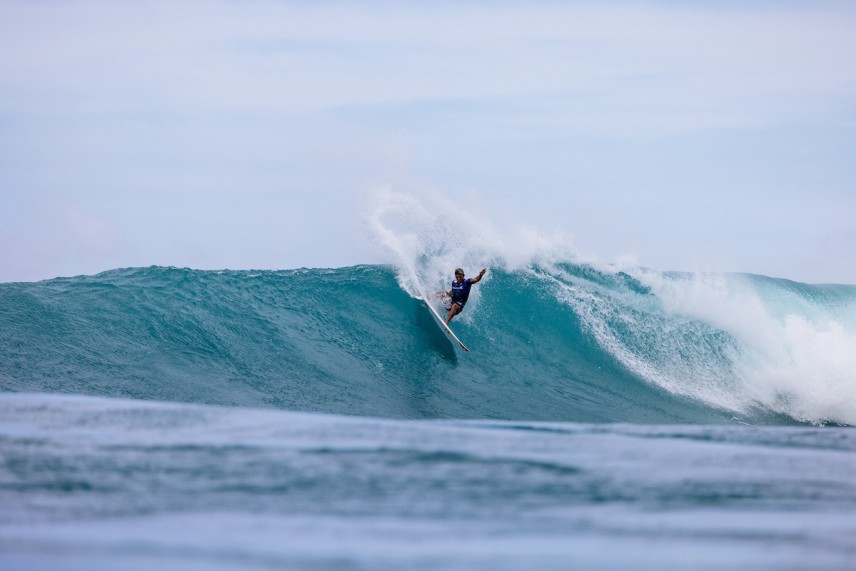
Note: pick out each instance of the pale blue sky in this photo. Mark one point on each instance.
(686, 136)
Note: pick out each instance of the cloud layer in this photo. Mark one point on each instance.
(237, 134)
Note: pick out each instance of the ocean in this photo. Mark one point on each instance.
(604, 418)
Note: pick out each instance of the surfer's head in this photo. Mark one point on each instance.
(459, 273)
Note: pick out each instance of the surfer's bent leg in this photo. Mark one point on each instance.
(453, 311)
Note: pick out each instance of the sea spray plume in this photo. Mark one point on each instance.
(425, 237)
(406, 233)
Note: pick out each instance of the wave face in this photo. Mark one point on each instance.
(564, 342)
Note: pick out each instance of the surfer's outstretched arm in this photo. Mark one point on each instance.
(478, 278)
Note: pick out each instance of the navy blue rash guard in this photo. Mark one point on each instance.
(461, 291)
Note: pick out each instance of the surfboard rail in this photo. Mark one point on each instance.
(441, 322)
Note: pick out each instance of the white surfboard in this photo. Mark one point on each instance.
(441, 322)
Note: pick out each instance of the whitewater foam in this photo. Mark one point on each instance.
(794, 351)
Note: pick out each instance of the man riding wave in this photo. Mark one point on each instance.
(460, 292)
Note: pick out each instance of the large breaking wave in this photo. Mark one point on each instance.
(552, 337)
(565, 342)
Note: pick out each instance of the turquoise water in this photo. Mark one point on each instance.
(319, 419)
(569, 344)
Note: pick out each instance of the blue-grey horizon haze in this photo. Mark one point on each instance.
(696, 136)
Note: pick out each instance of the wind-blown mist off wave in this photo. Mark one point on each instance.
(564, 342)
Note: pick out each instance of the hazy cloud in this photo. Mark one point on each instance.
(625, 123)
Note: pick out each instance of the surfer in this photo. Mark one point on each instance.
(460, 292)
